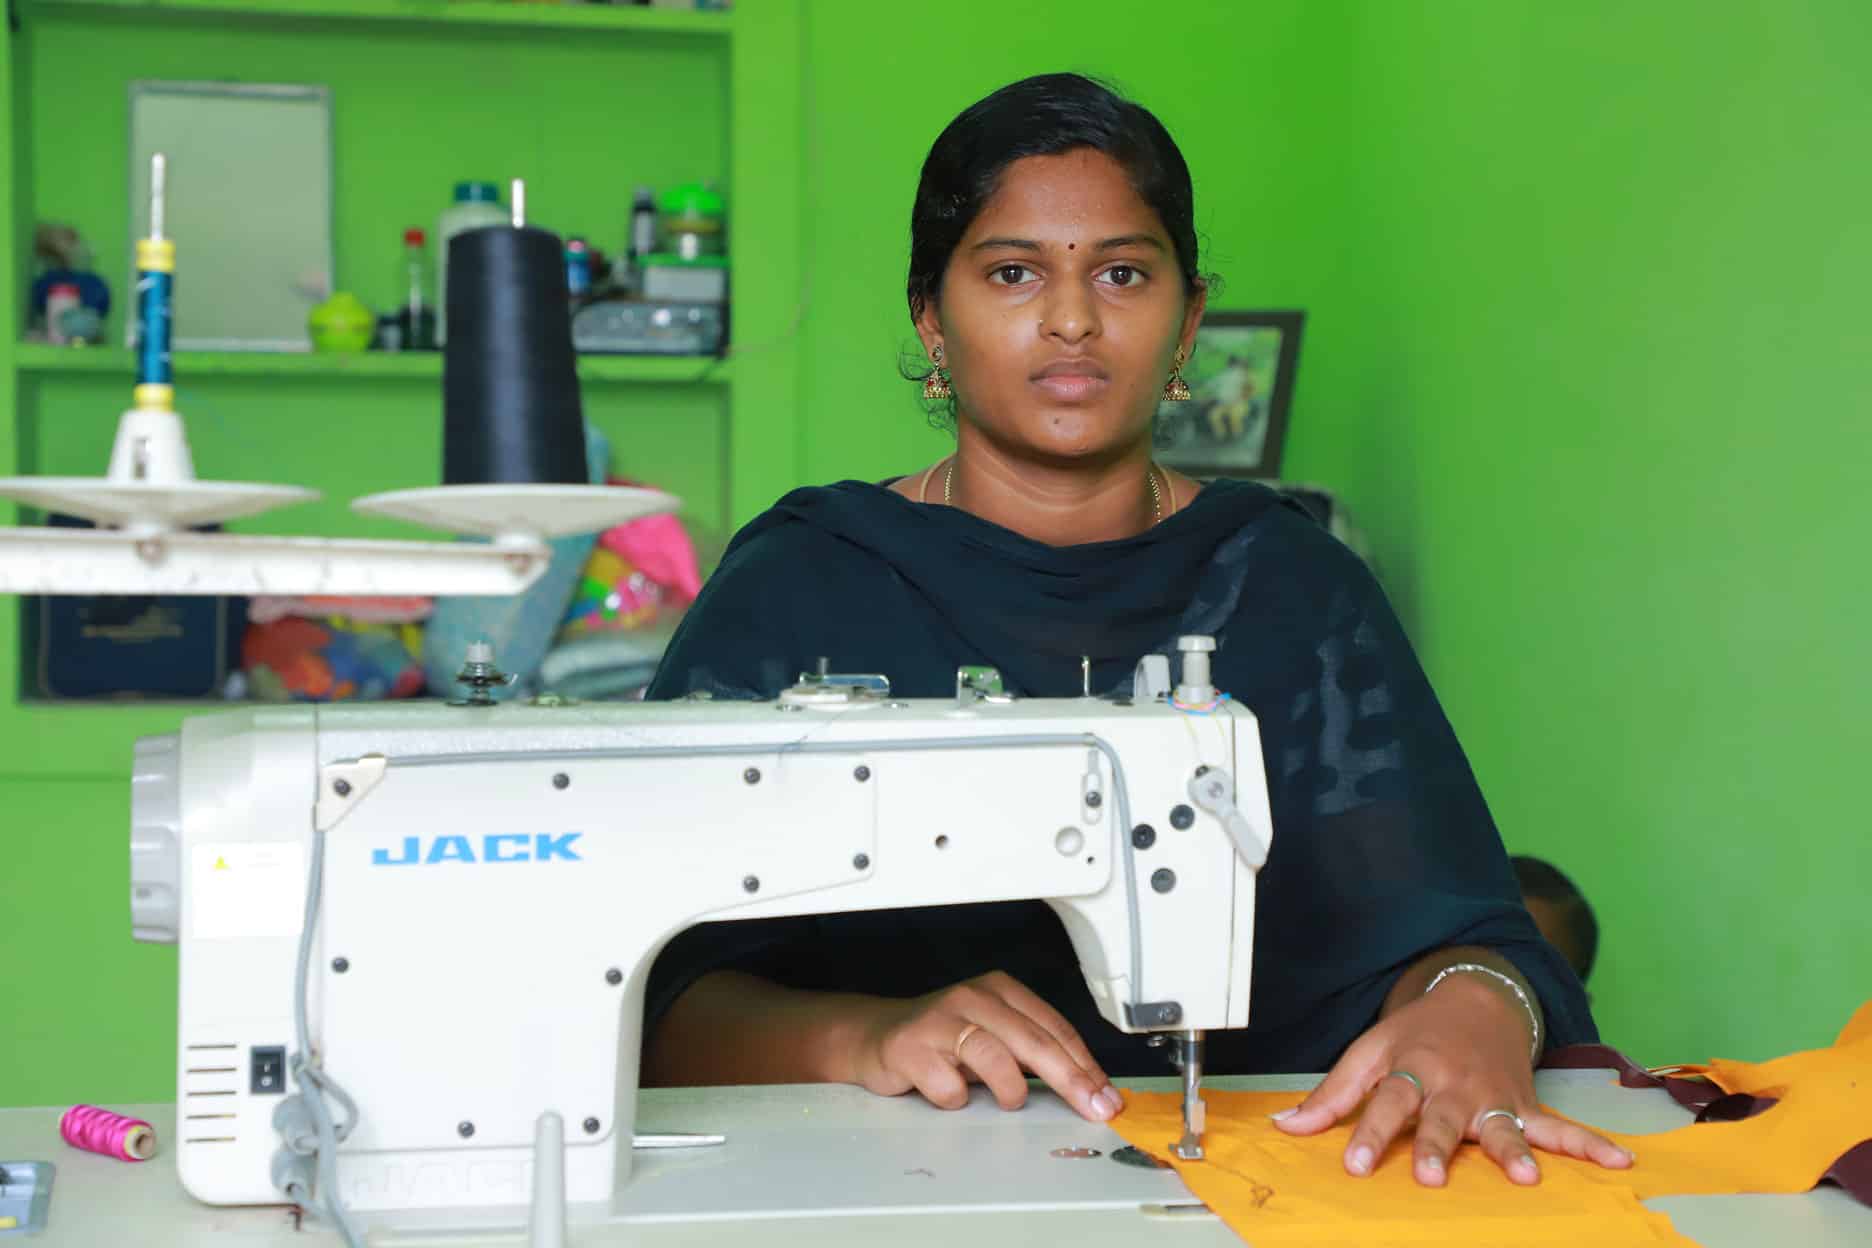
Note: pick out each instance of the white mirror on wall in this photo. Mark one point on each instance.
(249, 207)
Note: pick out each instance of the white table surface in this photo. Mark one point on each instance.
(904, 1174)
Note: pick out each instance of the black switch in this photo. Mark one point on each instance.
(268, 1071)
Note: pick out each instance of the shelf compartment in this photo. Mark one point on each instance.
(591, 18)
(31, 358)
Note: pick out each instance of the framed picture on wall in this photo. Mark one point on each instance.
(1241, 379)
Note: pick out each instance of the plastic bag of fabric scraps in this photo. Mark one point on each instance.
(641, 576)
(634, 588)
(334, 649)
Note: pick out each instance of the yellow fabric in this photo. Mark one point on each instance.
(1858, 1027)
(1277, 1190)
(1824, 1111)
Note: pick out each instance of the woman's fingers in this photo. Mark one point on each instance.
(996, 1029)
(1036, 1048)
(1440, 1127)
(1391, 1107)
(1500, 1134)
(1341, 1091)
(935, 1075)
(1028, 1002)
(1557, 1135)
(983, 1052)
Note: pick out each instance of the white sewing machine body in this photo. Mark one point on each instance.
(497, 881)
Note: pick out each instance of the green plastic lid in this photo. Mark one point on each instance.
(690, 201)
(476, 193)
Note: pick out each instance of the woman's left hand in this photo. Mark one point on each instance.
(1465, 1050)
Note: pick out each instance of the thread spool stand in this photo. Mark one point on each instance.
(150, 500)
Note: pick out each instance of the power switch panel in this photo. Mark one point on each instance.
(267, 1071)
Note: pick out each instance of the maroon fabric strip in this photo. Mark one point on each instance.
(1853, 1171)
(1693, 1094)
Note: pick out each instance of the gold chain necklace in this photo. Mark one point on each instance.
(1150, 475)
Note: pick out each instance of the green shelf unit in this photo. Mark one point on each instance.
(584, 100)
(497, 14)
(42, 359)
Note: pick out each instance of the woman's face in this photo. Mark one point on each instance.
(1061, 310)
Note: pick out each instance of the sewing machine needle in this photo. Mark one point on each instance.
(1190, 1047)
(677, 1139)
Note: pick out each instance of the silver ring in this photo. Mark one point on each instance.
(1483, 1118)
(1414, 1081)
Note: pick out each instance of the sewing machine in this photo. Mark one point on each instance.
(453, 908)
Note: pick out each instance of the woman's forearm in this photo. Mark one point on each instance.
(733, 1028)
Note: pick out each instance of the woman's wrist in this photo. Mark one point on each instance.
(843, 1027)
(1487, 976)
(1503, 987)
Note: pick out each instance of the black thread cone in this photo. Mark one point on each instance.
(510, 396)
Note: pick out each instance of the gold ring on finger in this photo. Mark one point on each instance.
(962, 1038)
(1482, 1119)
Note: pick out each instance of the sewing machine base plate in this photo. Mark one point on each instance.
(844, 1152)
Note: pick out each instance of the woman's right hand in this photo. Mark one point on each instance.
(991, 1029)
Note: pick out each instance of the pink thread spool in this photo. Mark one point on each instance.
(100, 1131)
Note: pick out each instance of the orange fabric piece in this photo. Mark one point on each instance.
(1824, 1111)
(1277, 1190)
(1858, 1027)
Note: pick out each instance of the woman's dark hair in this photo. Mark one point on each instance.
(1042, 116)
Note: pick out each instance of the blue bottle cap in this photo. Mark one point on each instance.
(476, 193)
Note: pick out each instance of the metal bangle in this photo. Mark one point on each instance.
(1476, 968)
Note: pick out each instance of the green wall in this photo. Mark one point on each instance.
(1612, 265)
(1585, 355)
(91, 1014)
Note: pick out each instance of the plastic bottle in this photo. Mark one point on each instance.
(642, 234)
(578, 260)
(476, 205)
(643, 222)
(416, 315)
(60, 299)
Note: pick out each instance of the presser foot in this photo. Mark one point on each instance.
(1188, 1058)
(1190, 1148)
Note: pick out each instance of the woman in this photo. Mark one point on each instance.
(1054, 286)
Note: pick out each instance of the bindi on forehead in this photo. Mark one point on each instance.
(1063, 200)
